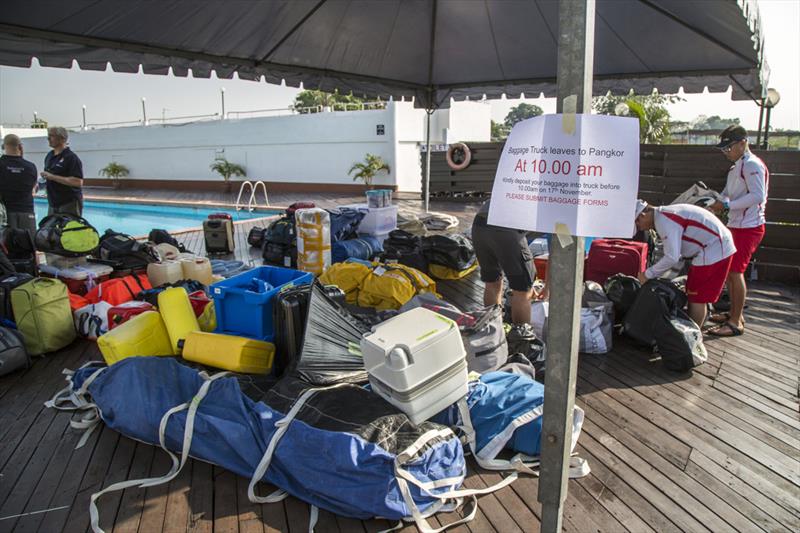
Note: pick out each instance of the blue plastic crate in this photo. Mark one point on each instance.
(243, 303)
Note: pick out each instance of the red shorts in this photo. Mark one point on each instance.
(704, 283)
(746, 241)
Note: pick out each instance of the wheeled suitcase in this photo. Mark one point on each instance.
(223, 216)
(43, 315)
(178, 315)
(8, 284)
(12, 351)
(615, 256)
(142, 335)
(228, 352)
(218, 235)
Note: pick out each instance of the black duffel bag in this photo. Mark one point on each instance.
(622, 291)
(452, 251)
(404, 248)
(124, 252)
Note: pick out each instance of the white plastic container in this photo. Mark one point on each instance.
(79, 278)
(198, 268)
(416, 361)
(378, 220)
(164, 272)
(313, 240)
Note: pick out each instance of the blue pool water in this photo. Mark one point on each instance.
(139, 219)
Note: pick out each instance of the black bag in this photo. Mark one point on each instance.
(151, 295)
(680, 343)
(622, 291)
(125, 252)
(66, 235)
(6, 267)
(281, 231)
(452, 251)
(19, 251)
(8, 284)
(161, 236)
(404, 248)
(13, 354)
(256, 237)
(523, 340)
(284, 255)
(344, 223)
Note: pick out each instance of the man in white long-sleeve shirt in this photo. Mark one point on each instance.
(693, 233)
(745, 197)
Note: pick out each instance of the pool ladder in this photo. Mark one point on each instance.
(251, 202)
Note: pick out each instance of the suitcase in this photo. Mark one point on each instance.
(13, 355)
(223, 216)
(178, 315)
(615, 256)
(218, 234)
(7, 284)
(119, 314)
(143, 335)
(290, 309)
(44, 316)
(228, 352)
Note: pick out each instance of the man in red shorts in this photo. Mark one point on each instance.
(745, 197)
(693, 233)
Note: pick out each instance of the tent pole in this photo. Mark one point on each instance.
(426, 185)
(760, 122)
(574, 94)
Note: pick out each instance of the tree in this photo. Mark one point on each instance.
(367, 170)
(651, 110)
(226, 169)
(39, 123)
(714, 122)
(115, 171)
(499, 131)
(308, 99)
(521, 112)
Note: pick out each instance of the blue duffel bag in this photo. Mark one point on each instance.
(365, 247)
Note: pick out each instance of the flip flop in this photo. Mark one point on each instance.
(719, 318)
(731, 331)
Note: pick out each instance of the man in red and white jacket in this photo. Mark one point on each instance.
(693, 233)
(745, 197)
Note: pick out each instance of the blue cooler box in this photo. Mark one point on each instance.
(243, 303)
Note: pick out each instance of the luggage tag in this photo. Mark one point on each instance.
(379, 271)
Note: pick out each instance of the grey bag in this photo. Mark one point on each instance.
(485, 341)
(597, 320)
(13, 354)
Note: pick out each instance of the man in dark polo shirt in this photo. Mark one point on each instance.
(64, 174)
(17, 183)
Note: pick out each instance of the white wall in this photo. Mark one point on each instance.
(318, 148)
(23, 133)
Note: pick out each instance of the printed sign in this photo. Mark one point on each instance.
(581, 171)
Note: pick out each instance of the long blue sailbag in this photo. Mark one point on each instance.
(340, 448)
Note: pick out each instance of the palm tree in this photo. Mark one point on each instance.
(115, 171)
(226, 169)
(653, 122)
(367, 170)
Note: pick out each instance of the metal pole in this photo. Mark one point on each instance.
(144, 112)
(760, 121)
(222, 94)
(426, 185)
(574, 93)
(766, 129)
(84, 119)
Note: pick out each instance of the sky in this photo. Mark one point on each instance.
(58, 95)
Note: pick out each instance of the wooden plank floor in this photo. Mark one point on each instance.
(711, 450)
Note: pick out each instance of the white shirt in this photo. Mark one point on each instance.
(746, 192)
(690, 232)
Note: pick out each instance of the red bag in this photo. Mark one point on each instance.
(119, 290)
(220, 215)
(121, 313)
(299, 205)
(199, 301)
(615, 256)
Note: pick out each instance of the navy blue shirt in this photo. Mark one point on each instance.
(17, 178)
(65, 164)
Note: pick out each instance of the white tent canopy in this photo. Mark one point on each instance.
(432, 50)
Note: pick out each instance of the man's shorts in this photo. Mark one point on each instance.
(503, 250)
(746, 241)
(704, 283)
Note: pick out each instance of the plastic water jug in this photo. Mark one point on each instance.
(313, 240)
(178, 315)
(198, 268)
(164, 272)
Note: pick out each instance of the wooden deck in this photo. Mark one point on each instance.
(713, 450)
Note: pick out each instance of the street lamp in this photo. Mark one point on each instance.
(35, 120)
(84, 118)
(144, 112)
(772, 99)
(222, 95)
(164, 115)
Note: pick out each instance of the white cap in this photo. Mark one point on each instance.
(640, 206)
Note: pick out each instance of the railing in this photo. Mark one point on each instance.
(251, 202)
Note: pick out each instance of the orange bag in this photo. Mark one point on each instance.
(119, 290)
(76, 301)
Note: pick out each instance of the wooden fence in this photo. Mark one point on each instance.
(666, 171)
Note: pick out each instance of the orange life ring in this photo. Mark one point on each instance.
(458, 156)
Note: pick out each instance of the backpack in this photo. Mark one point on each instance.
(454, 251)
(13, 354)
(404, 248)
(126, 252)
(344, 223)
(66, 235)
(255, 237)
(160, 236)
(622, 291)
(6, 267)
(281, 231)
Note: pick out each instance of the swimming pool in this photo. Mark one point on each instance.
(139, 219)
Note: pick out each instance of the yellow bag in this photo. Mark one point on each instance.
(347, 276)
(443, 272)
(390, 286)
